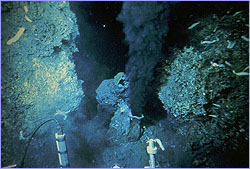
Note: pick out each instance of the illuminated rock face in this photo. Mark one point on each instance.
(184, 92)
(110, 91)
(38, 75)
(124, 129)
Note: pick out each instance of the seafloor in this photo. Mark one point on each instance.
(117, 74)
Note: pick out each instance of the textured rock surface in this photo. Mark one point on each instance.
(110, 91)
(113, 92)
(38, 75)
(185, 90)
(205, 100)
(123, 131)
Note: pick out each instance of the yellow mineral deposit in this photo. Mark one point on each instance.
(25, 84)
(28, 19)
(25, 9)
(63, 3)
(17, 36)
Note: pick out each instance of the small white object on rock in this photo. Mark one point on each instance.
(59, 112)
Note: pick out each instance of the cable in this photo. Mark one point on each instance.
(21, 164)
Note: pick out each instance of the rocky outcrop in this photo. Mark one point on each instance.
(39, 79)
